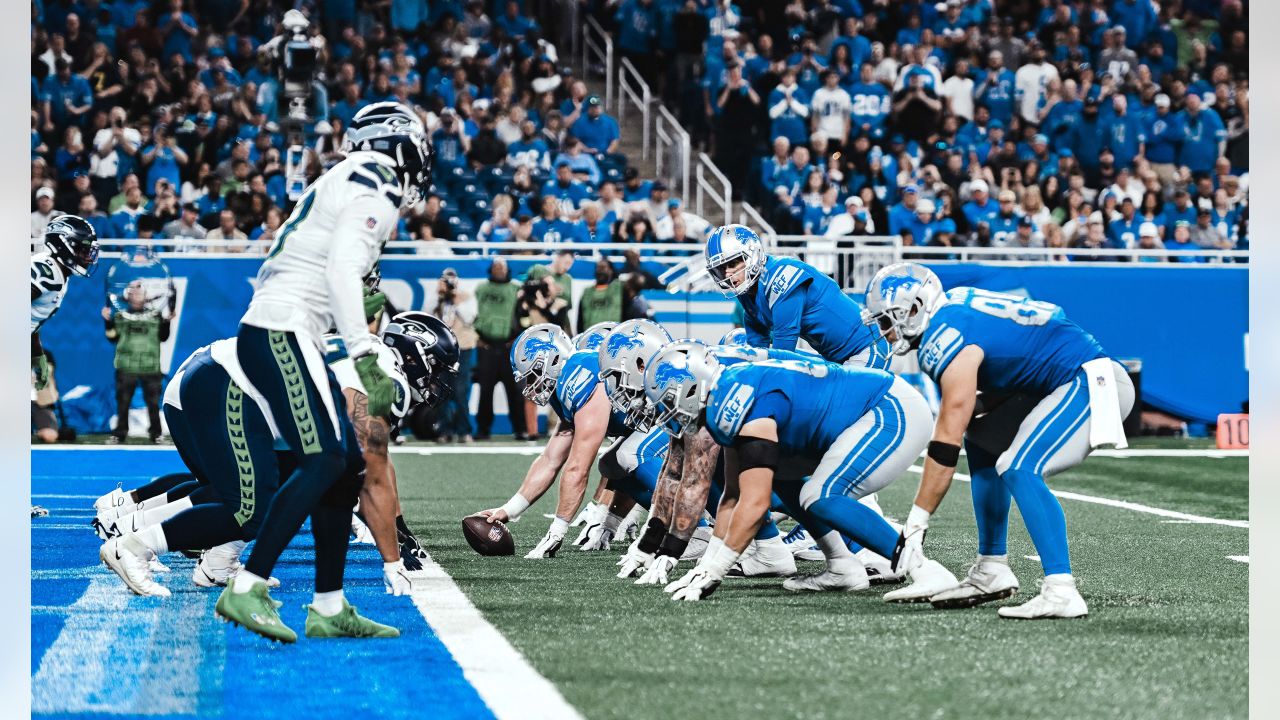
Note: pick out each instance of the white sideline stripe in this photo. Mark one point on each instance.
(1169, 452)
(1239, 558)
(499, 673)
(108, 629)
(1126, 505)
(1035, 558)
(64, 497)
(481, 449)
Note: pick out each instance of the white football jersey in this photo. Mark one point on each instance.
(312, 278)
(345, 371)
(50, 282)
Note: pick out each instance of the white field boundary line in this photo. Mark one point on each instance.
(1125, 505)
(506, 682)
(1239, 558)
(536, 449)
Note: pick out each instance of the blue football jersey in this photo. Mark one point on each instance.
(812, 402)
(578, 379)
(1028, 346)
(794, 300)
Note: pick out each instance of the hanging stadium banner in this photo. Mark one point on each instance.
(1188, 326)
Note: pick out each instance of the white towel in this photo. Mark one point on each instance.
(1106, 427)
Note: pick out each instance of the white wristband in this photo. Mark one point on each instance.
(515, 507)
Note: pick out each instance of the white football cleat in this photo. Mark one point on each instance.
(844, 576)
(697, 546)
(987, 580)
(879, 570)
(1058, 598)
(131, 568)
(928, 579)
(155, 566)
(113, 499)
(768, 559)
(360, 533)
(801, 544)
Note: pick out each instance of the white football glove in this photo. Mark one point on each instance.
(909, 552)
(396, 579)
(633, 561)
(598, 538)
(547, 547)
(593, 517)
(701, 583)
(659, 571)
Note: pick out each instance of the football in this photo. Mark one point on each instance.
(487, 538)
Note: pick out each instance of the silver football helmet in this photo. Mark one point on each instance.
(736, 337)
(623, 358)
(537, 357)
(677, 382)
(729, 244)
(591, 338)
(902, 298)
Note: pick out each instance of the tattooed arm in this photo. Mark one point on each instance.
(664, 494)
(378, 498)
(700, 455)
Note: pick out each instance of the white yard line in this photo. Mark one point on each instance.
(1239, 558)
(499, 673)
(1126, 505)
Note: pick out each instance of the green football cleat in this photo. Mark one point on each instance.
(347, 623)
(256, 611)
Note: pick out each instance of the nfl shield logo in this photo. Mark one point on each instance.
(371, 222)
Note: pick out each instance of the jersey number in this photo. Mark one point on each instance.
(1023, 311)
(300, 213)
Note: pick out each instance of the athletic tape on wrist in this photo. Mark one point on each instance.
(515, 507)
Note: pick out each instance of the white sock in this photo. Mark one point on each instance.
(713, 547)
(1060, 579)
(327, 604)
(917, 519)
(226, 553)
(153, 537)
(245, 580)
(154, 502)
(1002, 559)
(833, 547)
(155, 516)
(559, 526)
(773, 542)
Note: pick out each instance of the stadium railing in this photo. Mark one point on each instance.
(672, 152)
(722, 195)
(597, 47)
(750, 216)
(634, 89)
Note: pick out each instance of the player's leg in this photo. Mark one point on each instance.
(308, 411)
(1054, 437)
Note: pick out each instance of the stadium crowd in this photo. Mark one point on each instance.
(1059, 123)
(168, 119)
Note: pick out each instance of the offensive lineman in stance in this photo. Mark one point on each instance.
(310, 281)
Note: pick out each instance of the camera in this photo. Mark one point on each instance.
(533, 290)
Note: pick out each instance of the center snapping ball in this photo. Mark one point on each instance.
(487, 538)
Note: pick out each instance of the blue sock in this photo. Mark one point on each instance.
(857, 521)
(768, 530)
(1042, 514)
(991, 509)
(855, 548)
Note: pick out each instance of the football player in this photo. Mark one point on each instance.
(972, 341)
(72, 249)
(863, 427)
(309, 282)
(593, 513)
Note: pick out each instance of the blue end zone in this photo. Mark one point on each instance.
(98, 650)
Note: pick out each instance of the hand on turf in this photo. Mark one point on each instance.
(908, 554)
(547, 547)
(633, 561)
(592, 518)
(494, 515)
(395, 578)
(702, 582)
(659, 571)
(598, 538)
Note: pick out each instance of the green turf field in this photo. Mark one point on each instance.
(1167, 636)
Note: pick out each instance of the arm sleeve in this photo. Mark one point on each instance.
(786, 318)
(356, 245)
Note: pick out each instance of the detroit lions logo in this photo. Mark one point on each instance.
(890, 286)
(669, 373)
(618, 342)
(535, 346)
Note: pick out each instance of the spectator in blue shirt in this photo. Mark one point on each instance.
(921, 224)
(1063, 116)
(552, 227)
(1138, 17)
(1180, 209)
(900, 215)
(980, 207)
(598, 131)
(123, 12)
(1123, 133)
(1085, 139)
(582, 164)
(513, 23)
(348, 106)
(859, 46)
(1003, 226)
(65, 99)
(1163, 140)
(871, 104)
(1204, 136)
(450, 141)
(789, 110)
(772, 167)
(995, 90)
(1123, 233)
(530, 150)
(177, 28)
(638, 33)
(817, 218)
(634, 188)
(163, 159)
(569, 192)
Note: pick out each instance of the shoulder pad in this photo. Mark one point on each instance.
(782, 280)
(44, 275)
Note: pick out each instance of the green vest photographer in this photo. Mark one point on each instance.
(138, 333)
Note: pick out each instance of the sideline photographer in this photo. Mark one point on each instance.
(457, 308)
